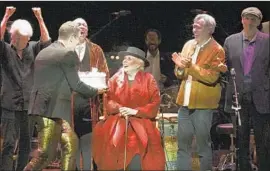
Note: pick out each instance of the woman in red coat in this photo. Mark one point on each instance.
(133, 94)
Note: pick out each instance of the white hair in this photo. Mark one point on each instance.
(210, 21)
(122, 71)
(21, 26)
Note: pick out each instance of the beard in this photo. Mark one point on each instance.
(152, 47)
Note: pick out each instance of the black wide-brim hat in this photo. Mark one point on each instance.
(136, 52)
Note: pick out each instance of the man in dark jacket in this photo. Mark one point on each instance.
(54, 79)
(17, 66)
(248, 53)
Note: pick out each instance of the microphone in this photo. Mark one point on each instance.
(122, 13)
(198, 11)
(233, 73)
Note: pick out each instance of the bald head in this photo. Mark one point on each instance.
(80, 21)
(83, 28)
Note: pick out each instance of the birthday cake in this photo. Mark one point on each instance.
(94, 78)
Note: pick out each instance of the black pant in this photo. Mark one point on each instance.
(262, 140)
(15, 130)
(261, 127)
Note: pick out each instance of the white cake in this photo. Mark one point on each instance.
(94, 78)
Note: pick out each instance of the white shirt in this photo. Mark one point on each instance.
(80, 50)
(154, 67)
(189, 80)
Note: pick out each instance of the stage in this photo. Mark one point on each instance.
(168, 123)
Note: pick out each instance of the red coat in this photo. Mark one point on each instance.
(143, 136)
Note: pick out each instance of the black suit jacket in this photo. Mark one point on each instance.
(55, 77)
(260, 72)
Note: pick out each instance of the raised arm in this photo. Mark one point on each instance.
(9, 12)
(44, 34)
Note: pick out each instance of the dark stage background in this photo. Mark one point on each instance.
(173, 19)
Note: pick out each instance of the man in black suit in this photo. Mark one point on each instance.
(152, 41)
(54, 79)
(157, 59)
(248, 53)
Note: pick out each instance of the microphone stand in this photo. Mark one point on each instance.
(236, 124)
(162, 106)
(162, 134)
(162, 126)
(237, 106)
(105, 26)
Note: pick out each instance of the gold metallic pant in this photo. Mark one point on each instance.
(50, 133)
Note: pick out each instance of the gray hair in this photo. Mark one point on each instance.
(21, 26)
(210, 21)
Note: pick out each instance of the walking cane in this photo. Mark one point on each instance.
(126, 135)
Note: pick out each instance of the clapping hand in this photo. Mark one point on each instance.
(181, 61)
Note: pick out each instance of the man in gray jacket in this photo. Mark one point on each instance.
(54, 79)
(248, 53)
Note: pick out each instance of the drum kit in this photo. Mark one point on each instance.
(167, 125)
